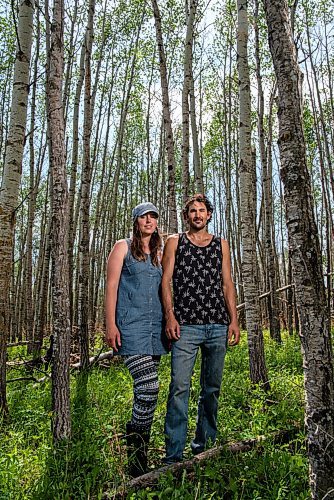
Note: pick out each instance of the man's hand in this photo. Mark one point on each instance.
(233, 334)
(172, 327)
(113, 337)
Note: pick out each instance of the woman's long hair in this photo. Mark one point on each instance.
(155, 245)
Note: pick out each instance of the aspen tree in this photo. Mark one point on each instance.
(73, 176)
(11, 178)
(258, 371)
(86, 177)
(265, 158)
(305, 253)
(167, 120)
(59, 233)
(189, 107)
(34, 179)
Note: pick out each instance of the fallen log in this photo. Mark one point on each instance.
(34, 379)
(95, 359)
(152, 478)
(16, 344)
(33, 363)
(30, 363)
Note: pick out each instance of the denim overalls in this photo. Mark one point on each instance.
(139, 315)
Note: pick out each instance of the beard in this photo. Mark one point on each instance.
(197, 224)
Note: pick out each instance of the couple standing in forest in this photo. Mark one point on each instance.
(145, 320)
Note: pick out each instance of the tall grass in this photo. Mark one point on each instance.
(94, 460)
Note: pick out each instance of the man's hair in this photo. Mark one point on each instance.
(155, 245)
(201, 198)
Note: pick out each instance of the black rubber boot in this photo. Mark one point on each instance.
(137, 445)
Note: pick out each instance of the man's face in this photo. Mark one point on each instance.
(197, 216)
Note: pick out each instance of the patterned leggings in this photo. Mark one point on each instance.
(144, 371)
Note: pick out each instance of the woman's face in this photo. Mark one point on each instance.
(147, 223)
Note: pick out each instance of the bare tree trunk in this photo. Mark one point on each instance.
(167, 121)
(185, 117)
(305, 253)
(69, 65)
(59, 248)
(267, 196)
(42, 296)
(127, 88)
(95, 256)
(321, 140)
(85, 199)
(325, 142)
(199, 184)
(188, 108)
(258, 371)
(11, 179)
(33, 189)
(73, 177)
(189, 85)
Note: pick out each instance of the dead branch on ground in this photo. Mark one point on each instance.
(95, 359)
(151, 478)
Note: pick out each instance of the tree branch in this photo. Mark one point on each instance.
(151, 478)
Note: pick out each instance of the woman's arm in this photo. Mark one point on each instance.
(114, 268)
(168, 262)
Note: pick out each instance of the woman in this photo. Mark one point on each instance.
(134, 323)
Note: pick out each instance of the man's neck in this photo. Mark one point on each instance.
(198, 235)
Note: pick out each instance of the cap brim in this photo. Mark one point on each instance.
(147, 212)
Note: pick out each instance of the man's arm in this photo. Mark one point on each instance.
(168, 262)
(229, 294)
(114, 268)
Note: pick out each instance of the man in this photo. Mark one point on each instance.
(203, 316)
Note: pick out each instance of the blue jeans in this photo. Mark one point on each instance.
(212, 340)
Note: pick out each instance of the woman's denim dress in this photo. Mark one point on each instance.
(139, 315)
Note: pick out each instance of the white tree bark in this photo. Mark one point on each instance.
(258, 372)
(305, 253)
(11, 179)
(189, 109)
(194, 133)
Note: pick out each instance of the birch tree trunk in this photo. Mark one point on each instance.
(267, 196)
(189, 109)
(185, 110)
(85, 199)
(167, 121)
(199, 184)
(258, 371)
(42, 296)
(127, 88)
(305, 253)
(11, 179)
(73, 177)
(59, 240)
(189, 91)
(33, 189)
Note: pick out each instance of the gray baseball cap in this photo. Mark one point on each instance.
(142, 209)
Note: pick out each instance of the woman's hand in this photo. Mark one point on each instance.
(113, 337)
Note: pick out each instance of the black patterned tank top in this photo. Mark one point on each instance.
(197, 283)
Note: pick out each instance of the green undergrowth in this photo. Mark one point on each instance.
(94, 461)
